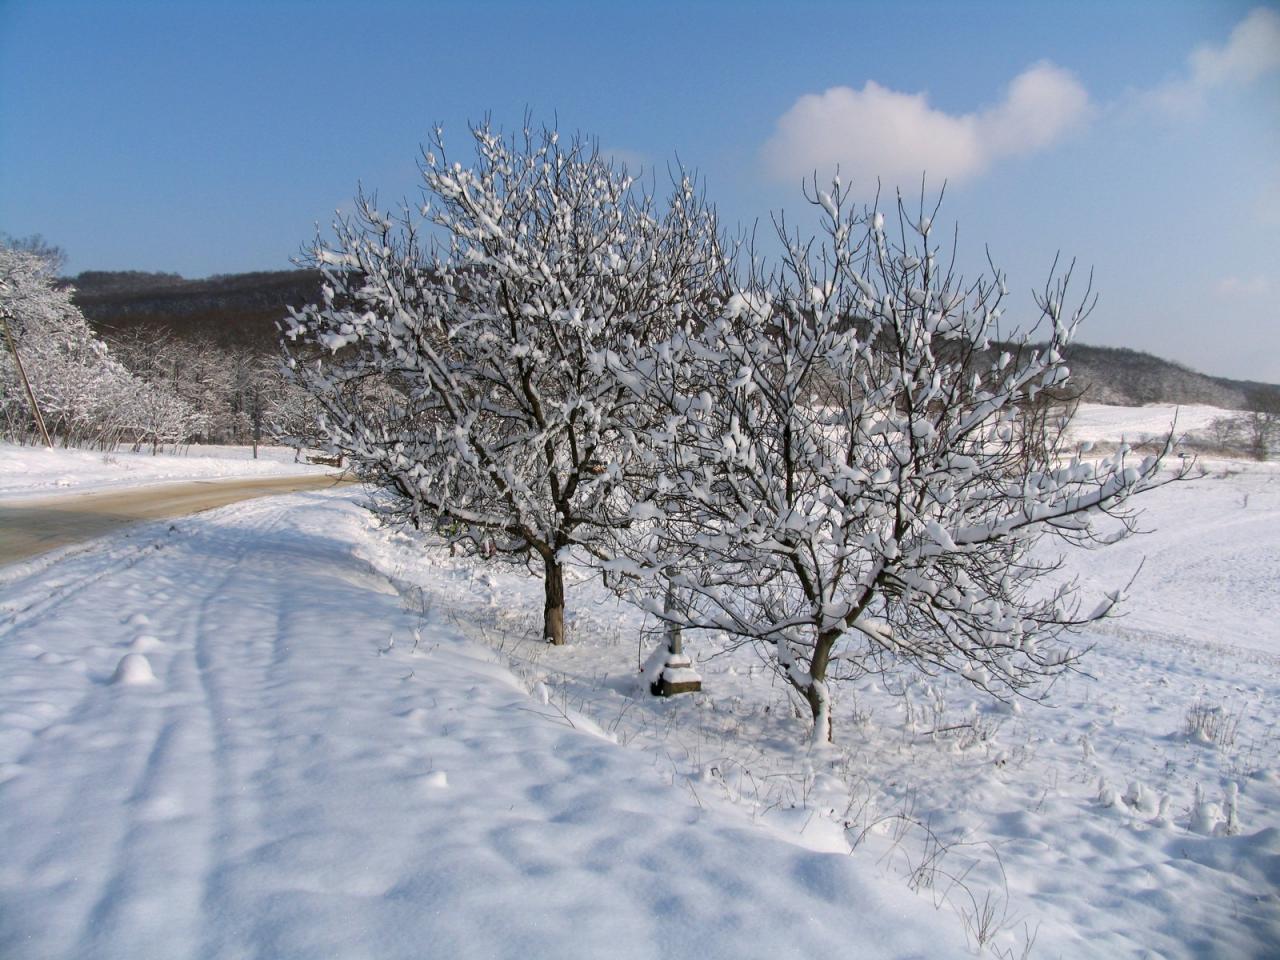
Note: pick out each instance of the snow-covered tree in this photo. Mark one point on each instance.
(855, 468)
(236, 394)
(53, 257)
(258, 392)
(483, 381)
(81, 393)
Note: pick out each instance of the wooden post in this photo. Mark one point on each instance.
(31, 397)
(677, 675)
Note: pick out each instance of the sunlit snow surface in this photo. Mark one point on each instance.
(1017, 812)
(299, 781)
(293, 784)
(39, 472)
(1097, 421)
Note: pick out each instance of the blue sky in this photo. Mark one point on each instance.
(1140, 138)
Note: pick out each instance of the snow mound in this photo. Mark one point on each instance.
(133, 670)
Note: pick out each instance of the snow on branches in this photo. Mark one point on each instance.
(855, 466)
(843, 459)
(488, 382)
(81, 393)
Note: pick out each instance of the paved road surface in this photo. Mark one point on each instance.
(30, 527)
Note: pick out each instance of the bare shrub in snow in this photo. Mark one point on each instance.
(1252, 433)
(854, 475)
(484, 382)
(1260, 430)
(1223, 434)
(1211, 724)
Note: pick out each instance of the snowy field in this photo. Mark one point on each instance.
(1137, 815)
(344, 742)
(40, 472)
(1097, 421)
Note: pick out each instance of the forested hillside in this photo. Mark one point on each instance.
(242, 310)
(233, 310)
(1131, 378)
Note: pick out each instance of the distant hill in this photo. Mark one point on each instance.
(243, 310)
(239, 309)
(1130, 378)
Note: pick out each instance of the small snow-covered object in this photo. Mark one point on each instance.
(145, 643)
(1106, 793)
(677, 676)
(1206, 818)
(1140, 798)
(134, 669)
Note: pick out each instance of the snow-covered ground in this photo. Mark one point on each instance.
(1098, 825)
(223, 738)
(355, 745)
(40, 472)
(1097, 421)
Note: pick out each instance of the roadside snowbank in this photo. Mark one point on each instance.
(40, 472)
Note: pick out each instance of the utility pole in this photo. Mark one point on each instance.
(31, 397)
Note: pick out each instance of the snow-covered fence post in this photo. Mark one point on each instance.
(675, 640)
(677, 674)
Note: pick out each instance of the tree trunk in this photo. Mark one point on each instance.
(815, 693)
(820, 708)
(257, 423)
(553, 609)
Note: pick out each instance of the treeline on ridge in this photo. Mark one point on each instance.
(241, 311)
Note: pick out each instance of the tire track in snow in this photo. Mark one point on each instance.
(134, 734)
(214, 649)
(182, 784)
(172, 791)
(33, 593)
(350, 810)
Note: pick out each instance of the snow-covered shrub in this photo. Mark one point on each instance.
(1210, 724)
(855, 467)
(485, 383)
(1207, 817)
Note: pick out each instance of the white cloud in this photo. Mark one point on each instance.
(878, 132)
(1254, 286)
(1251, 52)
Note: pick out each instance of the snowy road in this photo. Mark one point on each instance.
(293, 784)
(32, 526)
